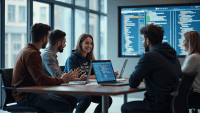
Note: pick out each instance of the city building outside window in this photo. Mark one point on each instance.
(84, 21)
(43, 14)
(21, 13)
(11, 13)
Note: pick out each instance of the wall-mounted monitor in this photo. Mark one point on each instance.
(176, 19)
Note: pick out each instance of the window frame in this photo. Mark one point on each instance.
(51, 3)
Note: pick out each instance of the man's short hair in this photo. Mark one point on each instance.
(38, 31)
(154, 33)
(56, 35)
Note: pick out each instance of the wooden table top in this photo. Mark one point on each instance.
(89, 89)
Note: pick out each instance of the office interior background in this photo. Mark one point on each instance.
(96, 17)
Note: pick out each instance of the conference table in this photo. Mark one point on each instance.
(92, 88)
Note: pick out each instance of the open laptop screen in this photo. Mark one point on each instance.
(103, 71)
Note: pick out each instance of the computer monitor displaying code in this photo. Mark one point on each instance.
(175, 19)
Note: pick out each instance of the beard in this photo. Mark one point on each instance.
(146, 47)
(44, 44)
(60, 49)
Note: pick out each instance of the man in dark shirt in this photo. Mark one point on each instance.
(28, 71)
(160, 69)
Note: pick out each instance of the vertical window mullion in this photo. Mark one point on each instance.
(87, 16)
(99, 23)
(29, 19)
(73, 26)
(2, 55)
(51, 15)
(2, 41)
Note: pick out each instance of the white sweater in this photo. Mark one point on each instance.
(192, 63)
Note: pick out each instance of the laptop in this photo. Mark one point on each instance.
(82, 82)
(122, 71)
(104, 73)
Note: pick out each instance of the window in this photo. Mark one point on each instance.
(80, 24)
(11, 13)
(14, 56)
(66, 1)
(80, 3)
(6, 42)
(21, 13)
(16, 37)
(93, 4)
(6, 37)
(103, 38)
(40, 13)
(74, 17)
(43, 14)
(93, 30)
(62, 21)
(16, 47)
(6, 59)
(15, 30)
(104, 6)
(6, 49)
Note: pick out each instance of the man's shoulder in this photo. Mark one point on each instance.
(150, 54)
(46, 53)
(29, 52)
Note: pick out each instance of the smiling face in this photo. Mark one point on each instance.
(87, 45)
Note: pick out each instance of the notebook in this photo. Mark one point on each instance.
(123, 67)
(104, 73)
(82, 82)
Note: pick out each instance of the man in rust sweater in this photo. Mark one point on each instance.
(28, 71)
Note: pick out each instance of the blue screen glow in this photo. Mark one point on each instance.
(175, 20)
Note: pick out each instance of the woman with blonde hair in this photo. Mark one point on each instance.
(81, 57)
(192, 63)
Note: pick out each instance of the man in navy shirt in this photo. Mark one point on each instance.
(160, 69)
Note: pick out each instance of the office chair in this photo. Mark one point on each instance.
(179, 100)
(194, 107)
(6, 76)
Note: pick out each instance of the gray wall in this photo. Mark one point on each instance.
(113, 30)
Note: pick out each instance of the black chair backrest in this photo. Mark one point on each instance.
(6, 75)
(62, 68)
(180, 104)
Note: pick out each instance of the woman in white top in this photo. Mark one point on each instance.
(192, 63)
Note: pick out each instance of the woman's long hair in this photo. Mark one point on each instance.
(78, 48)
(193, 40)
